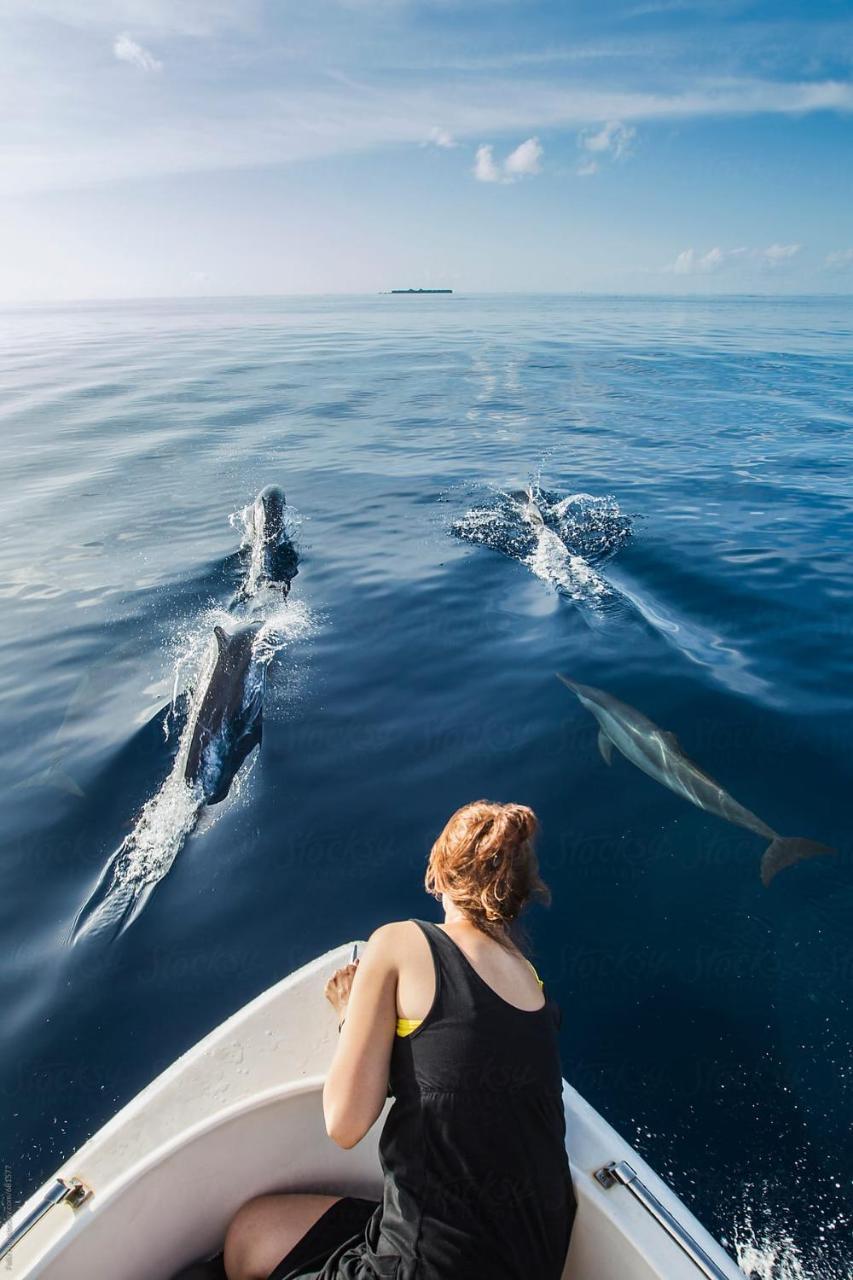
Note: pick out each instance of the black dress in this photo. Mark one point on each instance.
(477, 1183)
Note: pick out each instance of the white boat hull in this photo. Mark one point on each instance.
(241, 1113)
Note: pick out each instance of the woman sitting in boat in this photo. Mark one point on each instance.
(456, 1021)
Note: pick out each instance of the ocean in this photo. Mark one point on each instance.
(692, 459)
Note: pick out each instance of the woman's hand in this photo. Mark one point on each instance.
(337, 989)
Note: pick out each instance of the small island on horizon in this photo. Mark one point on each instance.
(417, 291)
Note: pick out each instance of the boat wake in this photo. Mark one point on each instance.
(562, 540)
(216, 712)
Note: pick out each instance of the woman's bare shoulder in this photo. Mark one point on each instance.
(394, 940)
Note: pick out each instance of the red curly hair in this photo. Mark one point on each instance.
(485, 861)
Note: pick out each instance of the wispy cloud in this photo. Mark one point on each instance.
(691, 263)
(613, 140)
(441, 137)
(155, 18)
(126, 49)
(614, 137)
(257, 126)
(524, 161)
(777, 253)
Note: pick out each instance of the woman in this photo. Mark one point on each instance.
(477, 1183)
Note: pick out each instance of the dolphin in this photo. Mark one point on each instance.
(268, 513)
(273, 556)
(228, 721)
(532, 512)
(530, 509)
(223, 726)
(659, 754)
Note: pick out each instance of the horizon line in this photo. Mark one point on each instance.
(95, 300)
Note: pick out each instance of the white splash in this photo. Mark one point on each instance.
(769, 1250)
(561, 540)
(764, 1258)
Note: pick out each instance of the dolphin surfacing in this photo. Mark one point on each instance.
(659, 754)
(229, 721)
(272, 557)
(531, 511)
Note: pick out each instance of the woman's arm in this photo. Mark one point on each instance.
(357, 1084)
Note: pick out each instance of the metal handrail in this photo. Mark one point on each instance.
(70, 1191)
(620, 1172)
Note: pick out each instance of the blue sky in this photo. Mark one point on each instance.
(179, 147)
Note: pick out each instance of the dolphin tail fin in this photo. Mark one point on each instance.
(785, 851)
(605, 746)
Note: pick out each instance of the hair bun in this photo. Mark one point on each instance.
(485, 860)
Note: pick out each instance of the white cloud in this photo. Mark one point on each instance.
(691, 263)
(839, 260)
(525, 159)
(126, 49)
(441, 137)
(776, 253)
(485, 169)
(613, 138)
(523, 162)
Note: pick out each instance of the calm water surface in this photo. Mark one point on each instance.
(708, 1018)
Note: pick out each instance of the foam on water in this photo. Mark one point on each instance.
(567, 573)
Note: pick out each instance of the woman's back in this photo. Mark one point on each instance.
(507, 972)
(477, 1179)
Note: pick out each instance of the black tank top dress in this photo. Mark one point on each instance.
(476, 1177)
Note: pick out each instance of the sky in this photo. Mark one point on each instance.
(220, 147)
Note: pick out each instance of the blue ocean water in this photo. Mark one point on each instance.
(700, 454)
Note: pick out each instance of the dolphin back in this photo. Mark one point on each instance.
(273, 559)
(229, 721)
(271, 502)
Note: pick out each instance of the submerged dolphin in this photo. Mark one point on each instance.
(229, 718)
(273, 556)
(660, 755)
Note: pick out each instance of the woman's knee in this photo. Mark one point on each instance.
(266, 1228)
(246, 1247)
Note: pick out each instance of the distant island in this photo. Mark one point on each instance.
(420, 290)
